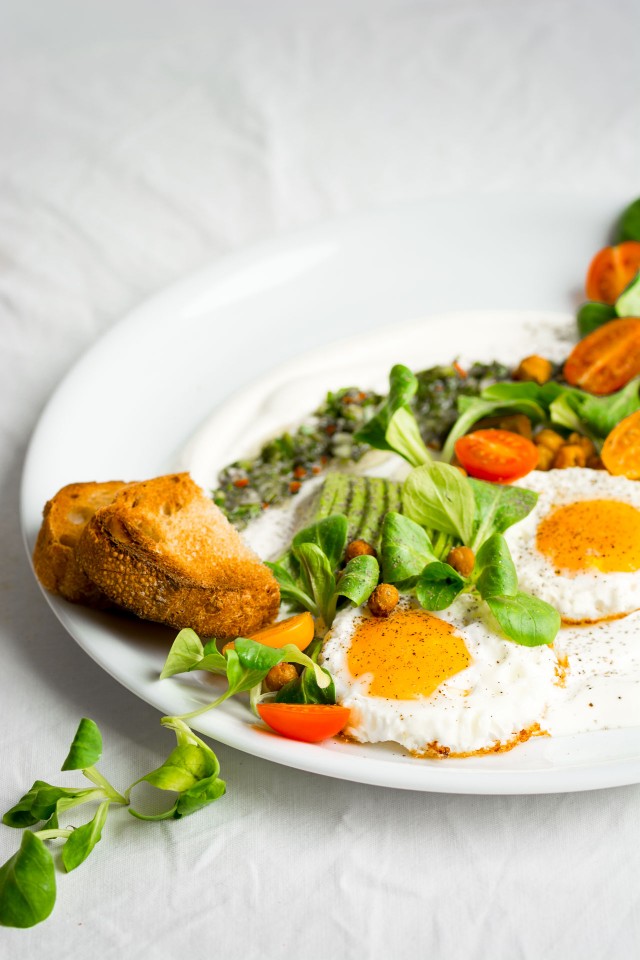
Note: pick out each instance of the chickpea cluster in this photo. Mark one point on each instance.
(556, 453)
(385, 597)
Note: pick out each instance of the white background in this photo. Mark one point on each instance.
(140, 141)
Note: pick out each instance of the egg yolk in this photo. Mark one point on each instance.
(592, 535)
(408, 654)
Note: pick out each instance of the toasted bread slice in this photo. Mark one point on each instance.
(163, 550)
(64, 518)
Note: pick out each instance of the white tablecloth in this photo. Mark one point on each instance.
(141, 140)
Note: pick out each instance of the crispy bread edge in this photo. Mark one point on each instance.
(132, 571)
(54, 556)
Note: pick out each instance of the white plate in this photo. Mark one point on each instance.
(128, 407)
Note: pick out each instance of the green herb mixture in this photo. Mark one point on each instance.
(328, 438)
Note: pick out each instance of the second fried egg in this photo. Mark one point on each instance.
(579, 548)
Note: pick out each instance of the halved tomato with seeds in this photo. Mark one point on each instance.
(310, 722)
(606, 359)
(611, 270)
(621, 451)
(496, 455)
(298, 630)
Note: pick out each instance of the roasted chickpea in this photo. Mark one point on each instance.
(545, 457)
(570, 455)
(584, 442)
(359, 548)
(383, 600)
(279, 676)
(535, 368)
(462, 559)
(550, 439)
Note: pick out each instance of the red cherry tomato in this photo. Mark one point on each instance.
(611, 270)
(496, 455)
(310, 722)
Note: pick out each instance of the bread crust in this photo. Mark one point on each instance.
(64, 518)
(163, 550)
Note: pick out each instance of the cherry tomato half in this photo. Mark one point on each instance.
(298, 630)
(611, 270)
(496, 455)
(606, 359)
(621, 450)
(310, 722)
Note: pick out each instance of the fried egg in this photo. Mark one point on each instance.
(579, 548)
(438, 685)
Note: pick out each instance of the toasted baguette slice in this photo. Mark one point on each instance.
(64, 518)
(163, 550)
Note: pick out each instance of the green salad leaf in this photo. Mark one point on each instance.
(405, 548)
(185, 765)
(291, 589)
(316, 575)
(438, 586)
(306, 690)
(522, 618)
(188, 653)
(191, 771)
(185, 654)
(39, 803)
(83, 839)
(597, 416)
(44, 800)
(498, 507)
(592, 315)
(629, 224)
(403, 385)
(27, 884)
(328, 535)
(403, 437)
(200, 795)
(309, 576)
(358, 579)
(439, 497)
(86, 748)
(495, 569)
(527, 620)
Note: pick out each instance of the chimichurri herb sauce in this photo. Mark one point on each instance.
(284, 464)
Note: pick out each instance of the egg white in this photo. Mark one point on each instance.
(591, 595)
(506, 689)
(600, 689)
